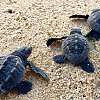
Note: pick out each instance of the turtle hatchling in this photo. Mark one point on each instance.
(75, 48)
(94, 22)
(12, 70)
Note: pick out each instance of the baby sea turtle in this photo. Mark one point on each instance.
(12, 70)
(75, 48)
(94, 22)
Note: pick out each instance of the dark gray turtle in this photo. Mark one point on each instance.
(12, 70)
(94, 22)
(75, 48)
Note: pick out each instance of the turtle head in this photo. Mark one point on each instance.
(75, 31)
(95, 10)
(23, 52)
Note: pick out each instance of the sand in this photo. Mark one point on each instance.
(32, 23)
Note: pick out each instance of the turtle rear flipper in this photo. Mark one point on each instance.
(51, 40)
(23, 87)
(87, 66)
(59, 59)
(79, 16)
(38, 70)
(93, 34)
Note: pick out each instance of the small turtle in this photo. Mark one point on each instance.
(75, 48)
(94, 22)
(12, 70)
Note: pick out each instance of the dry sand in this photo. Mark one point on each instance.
(31, 23)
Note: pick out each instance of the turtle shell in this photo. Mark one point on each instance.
(94, 21)
(11, 72)
(75, 48)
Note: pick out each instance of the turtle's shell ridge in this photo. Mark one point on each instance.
(75, 48)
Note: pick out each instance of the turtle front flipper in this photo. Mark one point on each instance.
(51, 40)
(59, 59)
(79, 16)
(38, 70)
(93, 34)
(23, 87)
(87, 66)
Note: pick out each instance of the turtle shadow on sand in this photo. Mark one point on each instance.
(80, 22)
(7, 95)
(56, 46)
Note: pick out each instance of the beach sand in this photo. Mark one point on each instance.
(32, 23)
